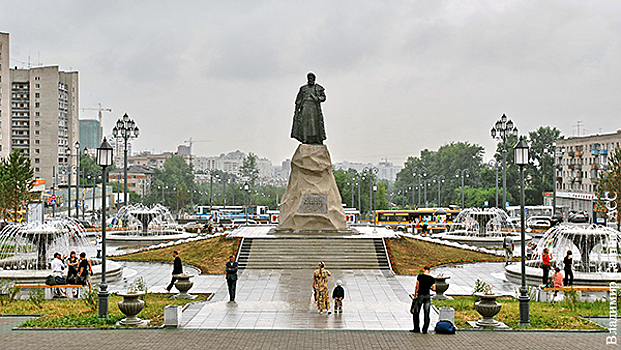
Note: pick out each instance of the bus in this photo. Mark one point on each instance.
(439, 219)
(257, 213)
(529, 210)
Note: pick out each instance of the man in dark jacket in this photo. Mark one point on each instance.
(177, 270)
(231, 276)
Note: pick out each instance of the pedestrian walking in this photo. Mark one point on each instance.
(507, 243)
(422, 299)
(320, 288)
(338, 294)
(569, 273)
(177, 270)
(545, 265)
(231, 276)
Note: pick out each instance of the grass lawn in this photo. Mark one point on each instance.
(409, 255)
(209, 255)
(542, 315)
(78, 313)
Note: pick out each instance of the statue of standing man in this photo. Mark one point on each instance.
(308, 126)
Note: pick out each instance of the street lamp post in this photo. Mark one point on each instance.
(520, 154)
(463, 173)
(359, 196)
(494, 164)
(439, 179)
(246, 189)
(104, 160)
(372, 171)
(554, 183)
(501, 131)
(125, 129)
(420, 172)
(68, 151)
(77, 179)
(93, 174)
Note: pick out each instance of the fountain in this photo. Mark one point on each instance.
(595, 251)
(144, 225)
(486, 228)
(27, 249)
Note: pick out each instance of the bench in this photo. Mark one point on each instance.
(548, 291)
(49, 289)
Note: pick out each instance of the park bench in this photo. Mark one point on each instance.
(580, 289)
(49, 293)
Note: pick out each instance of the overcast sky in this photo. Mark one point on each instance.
(400, 76)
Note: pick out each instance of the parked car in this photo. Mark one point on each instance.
(578, 217)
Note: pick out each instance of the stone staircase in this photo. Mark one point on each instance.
(306, 253)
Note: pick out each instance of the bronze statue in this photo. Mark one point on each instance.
(308, 126)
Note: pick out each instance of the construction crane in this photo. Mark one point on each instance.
(100, 111)
(191, 142)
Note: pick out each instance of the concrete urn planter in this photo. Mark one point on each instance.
(131, 306)
(441, 287)
(487, 307)
(184, 284)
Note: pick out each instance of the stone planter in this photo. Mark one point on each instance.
(184, 284)
(488, 307)
(441, 287)
(131, 305)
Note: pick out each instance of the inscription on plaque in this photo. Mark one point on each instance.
(313, 203)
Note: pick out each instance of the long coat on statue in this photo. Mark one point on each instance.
(308, 126)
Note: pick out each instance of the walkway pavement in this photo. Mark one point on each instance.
(294, 339)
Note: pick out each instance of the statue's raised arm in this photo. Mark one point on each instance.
(308, 126)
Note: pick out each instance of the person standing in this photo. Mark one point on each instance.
(177, 270)
(98, 246)
(338, 294)
(85, 271)
(507, 243)
(569, 274)
(545, 264)
(231, 276)
(72, 271)
(320, 286)
(422, 296)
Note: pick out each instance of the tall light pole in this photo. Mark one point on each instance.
(463, 173)
(77, 179)
(426, 183)
(68, 151)
(420, 172)
(125, 129)
(93, 174)
(104, 160)
(359, 195)
(246, 189)
(439, 179)
(372, 173)
(520, 157)
(494, 164)
(554, 183)
(501, 131)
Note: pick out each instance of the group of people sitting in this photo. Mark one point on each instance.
(78, 272)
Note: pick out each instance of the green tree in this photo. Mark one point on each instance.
(611, 183)
(176, 181)
(16, 183)
(541, 170)
(249, 168)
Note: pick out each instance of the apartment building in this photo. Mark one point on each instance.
(39, 115)
(580, 161)
(5, 97)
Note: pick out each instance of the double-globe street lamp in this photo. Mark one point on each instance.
(372, 171)
(464, 173)
(501, 130)
(520, 157)
(439, 179)
(104, 160)
(125, 129)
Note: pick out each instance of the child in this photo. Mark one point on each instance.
(557, 281)
(338, 294)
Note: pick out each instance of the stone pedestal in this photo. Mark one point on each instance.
(312, 201)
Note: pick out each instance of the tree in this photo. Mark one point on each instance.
(611, 183)
(249, 168)
(176, 180)
(16, 182)
(541, 170)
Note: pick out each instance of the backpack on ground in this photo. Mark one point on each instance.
(445, 327)
(50, 280)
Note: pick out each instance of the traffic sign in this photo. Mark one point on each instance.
(53, 196)
(53, 202)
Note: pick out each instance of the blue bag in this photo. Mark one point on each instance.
(445, 327)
